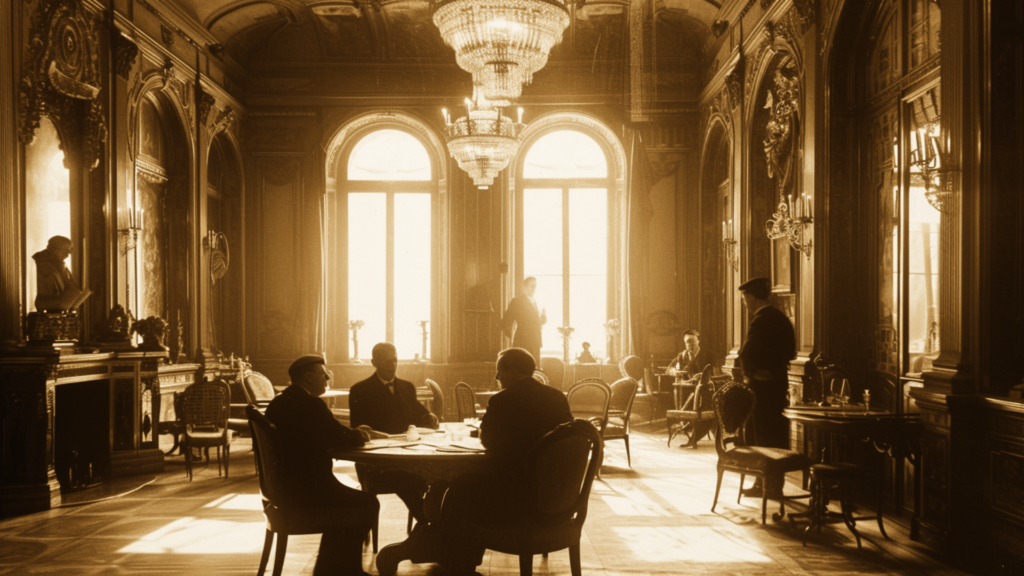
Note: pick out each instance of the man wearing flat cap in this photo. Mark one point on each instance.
(309, 432)
(765, 356)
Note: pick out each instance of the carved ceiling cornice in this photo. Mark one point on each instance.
(61, 78)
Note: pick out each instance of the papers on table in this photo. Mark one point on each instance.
(434, 444)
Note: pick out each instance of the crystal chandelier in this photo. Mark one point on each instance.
(501, 42)
(483, 141)
(934, 167)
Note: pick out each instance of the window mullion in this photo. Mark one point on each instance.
(390, 268)
(565, 256)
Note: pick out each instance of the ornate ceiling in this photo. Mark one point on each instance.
(274, 32)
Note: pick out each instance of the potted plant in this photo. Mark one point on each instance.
(152, 331)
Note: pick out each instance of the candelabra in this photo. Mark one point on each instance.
(423, 328)
(566, 332)
(790, 222)
(729, 246)
(611, 327)
(354, 326)
(934, 166)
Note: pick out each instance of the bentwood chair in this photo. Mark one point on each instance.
(256, 390)
(465, 401)
(282, 518)
(541, 377)
(696, 418)
(632, 366)
(588, 400)
(561, 471)
(205, 414)
(734, 404)
(437, 404)
(620, 408)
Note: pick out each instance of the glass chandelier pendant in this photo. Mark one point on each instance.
(483, 141)
(501, 42)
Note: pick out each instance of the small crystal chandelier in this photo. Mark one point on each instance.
(790, 222)
(501, 42)
(933, 167)
(483, 141)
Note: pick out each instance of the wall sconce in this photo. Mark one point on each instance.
(790, 221)
(934, 166)
(729, 245)
(130, 221)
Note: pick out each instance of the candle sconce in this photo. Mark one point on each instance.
(790, 222)
(130, 222)
(934, 166)
(729, 246)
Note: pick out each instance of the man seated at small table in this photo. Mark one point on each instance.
(516, 418)
(692, 360)
(388, 404)
(309, 432)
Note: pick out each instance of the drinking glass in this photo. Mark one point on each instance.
(844, 394)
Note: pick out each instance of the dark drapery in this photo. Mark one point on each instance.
(640, 178)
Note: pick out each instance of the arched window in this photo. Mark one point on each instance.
(387, 185)
(562, 237)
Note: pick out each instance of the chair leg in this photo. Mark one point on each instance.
(268, 543)
(227, 459)
(764, 506)
(574, 560)
(526, 565)
(373, 533)
(188, 458)
(408, 525)
(718, 487)
(629, 461)
(282, 545)
(740, 495)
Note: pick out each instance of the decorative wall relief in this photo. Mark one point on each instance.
(61, 78)
(781, 133)
(734, 82)
(125, 52)
(204, 104)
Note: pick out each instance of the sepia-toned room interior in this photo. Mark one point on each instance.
(274, 178)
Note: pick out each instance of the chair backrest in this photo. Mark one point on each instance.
(632, 366)
(206, 404)
(704, 391)
(561, 470)
(266, 443)
(541, 377)
(734, 404)
(258, 387)
(438, 403)
(465, 401)
(554, 369)
(623, 393)
(588, 399)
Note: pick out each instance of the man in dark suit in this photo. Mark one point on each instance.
(692, 360)
(516, 418)
(764, 357)
(523, 320)
(309, 432)
(388, 404)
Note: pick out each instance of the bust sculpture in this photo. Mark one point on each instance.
(57, 290)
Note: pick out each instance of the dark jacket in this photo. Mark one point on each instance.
(309, 432)
(693, 366)
(373, 404)
(516, 419)
(525, 315)
(770, 344)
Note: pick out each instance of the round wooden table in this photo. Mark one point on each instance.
(438, 461)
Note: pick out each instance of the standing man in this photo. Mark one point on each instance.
(309, 432)
(523, 320)
(388, 404)
(764, 357)
(517, 417)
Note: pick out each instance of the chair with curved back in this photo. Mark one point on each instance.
(631, 366)
(437, 405)
(541, 377)
(554, 369)
(282, 519)
(734, 404)
(258, 391)
(561, 472)
(465, 402)
(588, 400)
(620, 408)
(696, 418)
(205, 407)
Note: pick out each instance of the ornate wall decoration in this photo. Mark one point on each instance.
(225, 120)
(803, 13)
(778, 39)
(204, 103)
(781, 132)
(166, 36)
(61, 78)
(734, 82)
(125, 52)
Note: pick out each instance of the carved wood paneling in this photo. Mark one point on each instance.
(935, 482)
(1007, 474)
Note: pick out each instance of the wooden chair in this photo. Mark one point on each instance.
(588, 400)
(733, 405)
(697, 417)
(541, 377)
(465, 402)
(437, 404)
(620, 408)
(205, 415)
(554, 369)
(256, 390)
(282, 519)
(632, 366)
(562, 468)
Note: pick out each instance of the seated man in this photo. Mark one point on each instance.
(388, 404)
(517, 417)
(692, 360)
(309, 431)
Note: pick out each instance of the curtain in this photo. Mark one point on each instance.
(640, 178)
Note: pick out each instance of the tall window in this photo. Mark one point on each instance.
(389, 241)
(564, 236)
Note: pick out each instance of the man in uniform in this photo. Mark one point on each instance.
(526, 319)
